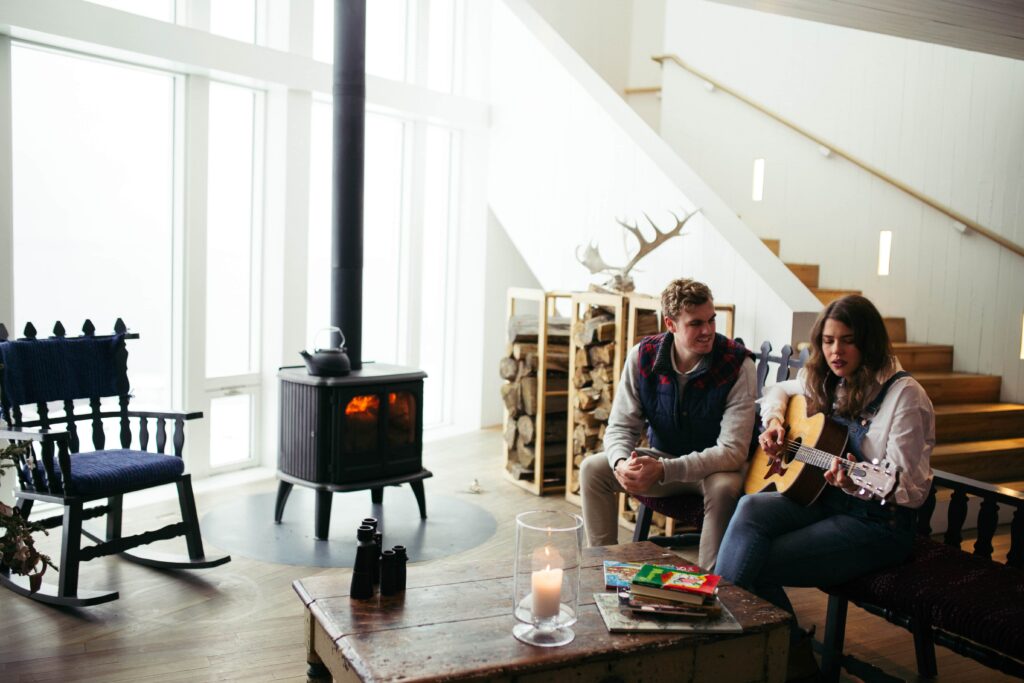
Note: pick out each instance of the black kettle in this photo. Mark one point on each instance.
(331, 362)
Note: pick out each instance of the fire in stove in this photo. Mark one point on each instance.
(362, 417)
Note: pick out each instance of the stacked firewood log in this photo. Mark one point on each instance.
(523, 404)
(594, 375)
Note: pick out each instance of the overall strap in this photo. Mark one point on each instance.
(876, 403)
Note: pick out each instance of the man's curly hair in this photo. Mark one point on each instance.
(683, 293)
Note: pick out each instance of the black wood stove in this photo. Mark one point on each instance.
(360, 431)
(363, 430)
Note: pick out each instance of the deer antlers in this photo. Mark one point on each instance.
(621, 280)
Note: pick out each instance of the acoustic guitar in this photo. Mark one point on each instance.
(810, 444)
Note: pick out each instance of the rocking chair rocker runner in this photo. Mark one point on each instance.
(89, 367)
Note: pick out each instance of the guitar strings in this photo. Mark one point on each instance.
(795, 447)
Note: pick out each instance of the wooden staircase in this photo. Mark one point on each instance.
(976, 435)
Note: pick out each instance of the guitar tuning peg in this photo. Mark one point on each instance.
(862, 492)
(882, 502)
(874, 461)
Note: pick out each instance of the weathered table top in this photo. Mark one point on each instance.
(456, 623)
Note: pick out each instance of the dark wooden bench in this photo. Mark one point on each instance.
(941, 594)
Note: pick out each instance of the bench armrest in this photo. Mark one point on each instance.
(978, 488)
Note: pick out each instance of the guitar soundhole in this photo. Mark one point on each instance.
(790, 452)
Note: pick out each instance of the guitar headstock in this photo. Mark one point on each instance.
(876, 478)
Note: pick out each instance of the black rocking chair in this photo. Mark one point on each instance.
(87, 368)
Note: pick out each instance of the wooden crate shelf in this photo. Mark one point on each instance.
(543, 407)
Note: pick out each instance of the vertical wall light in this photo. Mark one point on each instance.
(1022, 337)
(884, 251)
(757, 194)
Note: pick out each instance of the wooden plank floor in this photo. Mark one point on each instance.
(243, 622)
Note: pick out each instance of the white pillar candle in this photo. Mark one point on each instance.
(547, 592)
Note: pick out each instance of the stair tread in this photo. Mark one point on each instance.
(828, 290)
(979, 447)
(977, 408)
(920, 346)
(934, 375)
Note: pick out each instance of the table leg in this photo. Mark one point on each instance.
(316, 672)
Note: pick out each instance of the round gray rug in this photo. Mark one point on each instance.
(246, 527)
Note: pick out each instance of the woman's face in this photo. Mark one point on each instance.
(841, 354)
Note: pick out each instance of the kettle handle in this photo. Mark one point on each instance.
(316, 337)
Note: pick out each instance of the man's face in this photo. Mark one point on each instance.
(694, 328)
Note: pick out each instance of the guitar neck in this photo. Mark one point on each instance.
(817, 458)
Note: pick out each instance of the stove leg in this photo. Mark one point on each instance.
(377, 495)
(421, 498)
(283, 489)
(323, 513)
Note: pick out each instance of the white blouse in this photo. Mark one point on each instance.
(902, 431)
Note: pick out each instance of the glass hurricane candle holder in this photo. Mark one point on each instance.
(546, 587)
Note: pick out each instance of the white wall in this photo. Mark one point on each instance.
(599, 31)
(567, 155)
(949, 123)
(647, 35)
(617, 38)
(505, 268)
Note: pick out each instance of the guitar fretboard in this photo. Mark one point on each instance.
(816, 457)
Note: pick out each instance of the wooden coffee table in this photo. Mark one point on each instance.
(456, 624)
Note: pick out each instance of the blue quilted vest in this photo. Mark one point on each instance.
(691, 422)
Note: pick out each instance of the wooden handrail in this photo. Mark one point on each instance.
(941, 208)
(643, 90)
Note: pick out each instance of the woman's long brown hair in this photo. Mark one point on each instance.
(871, 339)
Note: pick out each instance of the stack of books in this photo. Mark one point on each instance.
(662, 598)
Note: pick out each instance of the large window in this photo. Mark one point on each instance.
(154, 9)
(232, 247)
(397, 31)
(409, 205)
(94, 204)
(383, 209)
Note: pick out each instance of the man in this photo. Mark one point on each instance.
(694, 390)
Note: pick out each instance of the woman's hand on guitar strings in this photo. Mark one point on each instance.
(836, 474)
(772, 438)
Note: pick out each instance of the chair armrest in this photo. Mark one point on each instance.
(166, 415)
(49, 436)
(54, 481)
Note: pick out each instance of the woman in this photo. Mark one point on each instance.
(852, 376)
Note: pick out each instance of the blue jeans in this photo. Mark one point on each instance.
(773, 542)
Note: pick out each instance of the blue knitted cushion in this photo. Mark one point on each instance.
(41, 370)
(108, 473)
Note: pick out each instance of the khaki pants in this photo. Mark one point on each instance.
(598, 488)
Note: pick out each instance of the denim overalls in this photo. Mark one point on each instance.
(837, 501)
(773, 541)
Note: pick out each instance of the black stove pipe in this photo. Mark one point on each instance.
(348, 159)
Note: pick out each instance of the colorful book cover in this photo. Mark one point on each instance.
(620, 621)
(620, 574)
(674, 579)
